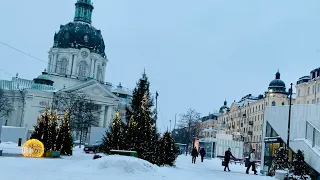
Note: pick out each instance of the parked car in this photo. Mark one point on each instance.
(95, 147)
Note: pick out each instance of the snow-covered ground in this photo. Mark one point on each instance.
(81, 166)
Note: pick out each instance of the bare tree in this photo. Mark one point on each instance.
(5, 105)
(189, 122)
(84, 112)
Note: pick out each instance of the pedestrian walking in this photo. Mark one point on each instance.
(202, 153)
(227, 157)
(194, 155)
(252, 164)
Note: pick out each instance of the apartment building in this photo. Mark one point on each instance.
(244, 118)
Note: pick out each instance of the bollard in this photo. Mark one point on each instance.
(19, 142)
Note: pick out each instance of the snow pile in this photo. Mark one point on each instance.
(126, 164)
(10, 147)
(115, 164)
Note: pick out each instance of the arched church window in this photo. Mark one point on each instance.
(99, 73)
(62, 66)
(273, 103)
(83, 66)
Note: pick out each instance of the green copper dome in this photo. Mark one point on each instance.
(80, 33)
(44, 79)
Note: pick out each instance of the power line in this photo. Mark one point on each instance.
(6, 72)
(22, 52)
(27, 54)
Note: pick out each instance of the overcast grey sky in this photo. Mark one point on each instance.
(196, 53)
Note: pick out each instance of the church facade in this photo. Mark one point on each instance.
(76, 63)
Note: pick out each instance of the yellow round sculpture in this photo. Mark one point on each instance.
(33, 148)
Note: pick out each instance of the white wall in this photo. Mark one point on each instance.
(301, 113)
(222, 146)
(96, 134)
(12, 134)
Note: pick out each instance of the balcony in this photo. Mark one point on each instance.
(251, 123)
(250, 133)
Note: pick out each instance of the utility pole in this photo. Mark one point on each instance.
(175, 121)
(289, 119)
(156, 107)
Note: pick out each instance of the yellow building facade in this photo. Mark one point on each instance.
(244, 119)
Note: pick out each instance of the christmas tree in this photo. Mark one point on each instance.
(114, 138)
(42, 130)
(53, 131)
(131, 133)
(64, 139)
(141, 129)
(300, 168)
(280, 162)
(167, 150)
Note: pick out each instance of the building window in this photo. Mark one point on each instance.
(308, 90)
(312, 101)
(273, 103)
(83, 69)
(282, 103)
(99, 74)
(298, 92)
(262, 106)
(258, 117)
(62, 66)
(317, 100)
(313, 89)
(307, 102)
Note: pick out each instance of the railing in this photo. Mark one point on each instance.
(313, 135)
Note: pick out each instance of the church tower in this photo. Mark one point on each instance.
(78, 52)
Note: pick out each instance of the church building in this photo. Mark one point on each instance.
(77, 63)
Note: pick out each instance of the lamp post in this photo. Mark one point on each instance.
(156, 107)
(289, 118)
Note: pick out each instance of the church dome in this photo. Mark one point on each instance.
(224, 107)
(44, 78)
(80, 33)
(277, 85)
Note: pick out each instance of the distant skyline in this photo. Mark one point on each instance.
(196, 53)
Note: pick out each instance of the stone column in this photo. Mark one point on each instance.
(74, 66)
(91, 68)
(109, 115)
(102, 114)
(105, 118)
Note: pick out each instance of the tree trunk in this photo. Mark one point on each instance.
(80, 137)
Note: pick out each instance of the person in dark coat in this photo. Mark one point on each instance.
(202, 153)
(227, 157)
(194, 155)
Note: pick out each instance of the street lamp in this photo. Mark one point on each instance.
(289, 118)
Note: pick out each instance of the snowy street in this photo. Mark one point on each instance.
(81, 166)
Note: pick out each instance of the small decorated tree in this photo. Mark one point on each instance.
(53, 131)
(65, 137)
(167, 150)
(131, 137)
(280, 162)
(300, 168)
(114, 138)
(42, 130)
